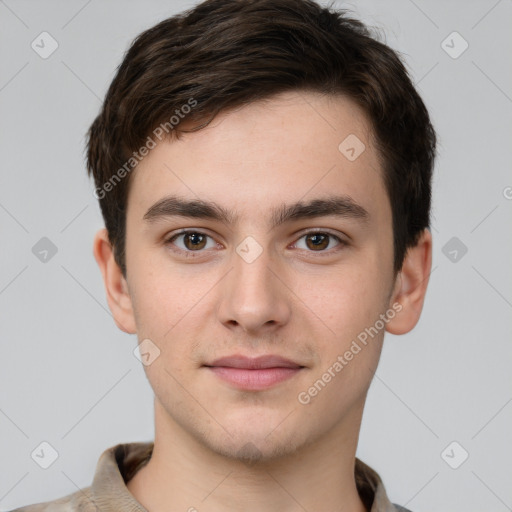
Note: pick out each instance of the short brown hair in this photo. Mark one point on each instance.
(226, 53)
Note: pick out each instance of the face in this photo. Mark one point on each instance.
(289, 254)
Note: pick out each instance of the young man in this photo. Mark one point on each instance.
(263, 168)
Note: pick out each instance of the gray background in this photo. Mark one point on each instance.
(68, 375)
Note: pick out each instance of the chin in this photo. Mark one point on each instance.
(251, 450)
(251, 434)
(253, 443)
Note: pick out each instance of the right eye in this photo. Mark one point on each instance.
(191, 241)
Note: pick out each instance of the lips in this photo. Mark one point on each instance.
(254, 363)
(254, 373)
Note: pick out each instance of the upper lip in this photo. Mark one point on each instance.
(254, 363)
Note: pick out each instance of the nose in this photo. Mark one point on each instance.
(254, 296)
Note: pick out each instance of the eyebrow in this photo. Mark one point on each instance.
(336, 206)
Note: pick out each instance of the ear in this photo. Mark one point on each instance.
(118, 297)
(411, 285)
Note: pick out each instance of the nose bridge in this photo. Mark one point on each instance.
(253, 297)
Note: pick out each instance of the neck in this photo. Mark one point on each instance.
(183, 474)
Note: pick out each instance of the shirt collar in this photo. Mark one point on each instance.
(118, 464)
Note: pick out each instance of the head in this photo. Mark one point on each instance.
(255, 125)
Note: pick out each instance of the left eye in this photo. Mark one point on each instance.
(192, 241)
(318, 241)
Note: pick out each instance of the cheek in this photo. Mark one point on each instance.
(348, 348)
(172, 305)
(161, 306)
(346, 301)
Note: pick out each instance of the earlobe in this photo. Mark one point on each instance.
(411, 285)
(116, 287)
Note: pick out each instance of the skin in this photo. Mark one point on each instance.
(290, 301)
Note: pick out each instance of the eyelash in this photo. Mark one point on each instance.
(341, 243)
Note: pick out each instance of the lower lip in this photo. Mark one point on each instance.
(262, 378)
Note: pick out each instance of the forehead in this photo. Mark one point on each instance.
(294, 146)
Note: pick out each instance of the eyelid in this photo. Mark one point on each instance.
(168, 239)
(325, 231)
(342, 241)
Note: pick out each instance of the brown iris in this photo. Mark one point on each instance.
(318, 241)
(194, 241)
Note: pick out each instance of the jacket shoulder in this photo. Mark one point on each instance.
(79, 501)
